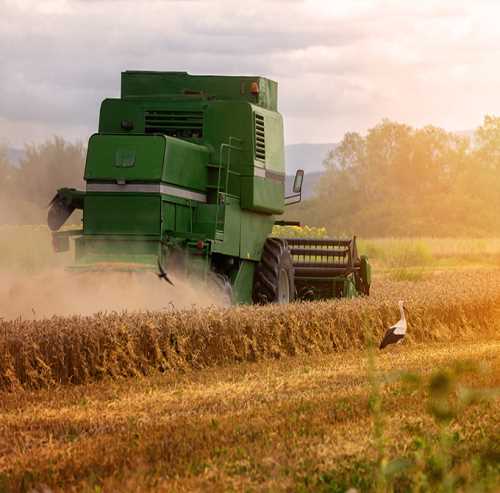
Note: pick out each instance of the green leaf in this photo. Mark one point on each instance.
(441, 384)
(397, 466)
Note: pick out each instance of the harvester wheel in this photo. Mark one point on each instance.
(273, 280)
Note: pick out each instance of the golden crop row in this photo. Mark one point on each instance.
(445, 307)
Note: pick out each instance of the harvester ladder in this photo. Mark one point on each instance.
(221, 196)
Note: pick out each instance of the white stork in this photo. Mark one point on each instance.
(397, 332)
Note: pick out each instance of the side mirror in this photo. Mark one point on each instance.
(297, 182)
(296, 196)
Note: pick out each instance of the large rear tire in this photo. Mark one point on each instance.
(274, 280)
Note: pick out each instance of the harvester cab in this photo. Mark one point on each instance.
(187, 174)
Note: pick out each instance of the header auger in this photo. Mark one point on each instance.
(187, 173)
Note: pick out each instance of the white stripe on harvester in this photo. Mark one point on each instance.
(147, 188)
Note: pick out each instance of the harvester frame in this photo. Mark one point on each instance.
(186, 174)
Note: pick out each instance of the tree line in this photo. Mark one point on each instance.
(394, 181)
(402, 181)
(27, 187)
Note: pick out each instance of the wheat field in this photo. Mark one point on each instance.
(294, 424)
(446, 307)
(273, 398)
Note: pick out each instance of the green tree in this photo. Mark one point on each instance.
(25, 191)
(487, 142)
(49, 166)
(401, 181)
(5, 167)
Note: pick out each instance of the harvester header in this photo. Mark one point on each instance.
(187, 174)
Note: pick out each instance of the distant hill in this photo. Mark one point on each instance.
(308, 157)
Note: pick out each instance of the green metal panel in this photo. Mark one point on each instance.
(186, 164)
(168, 215)
(262, 194)
(230, 211)
(183, 219)
(119, 157)
(274, 141)
(115, 112)
(158, 85)
(204, 220)
(228, 132)
(255, 228)
(121, 214)
(177, 216)
(243, 282)
(127, 250)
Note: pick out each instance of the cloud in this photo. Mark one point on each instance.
(340, 66)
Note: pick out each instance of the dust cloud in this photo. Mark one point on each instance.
(65, 293)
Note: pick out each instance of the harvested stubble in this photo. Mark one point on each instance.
(76, 350)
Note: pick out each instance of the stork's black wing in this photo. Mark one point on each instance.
(390, 338)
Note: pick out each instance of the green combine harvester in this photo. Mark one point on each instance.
(187, 175)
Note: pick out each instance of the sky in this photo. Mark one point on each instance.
(341, 65)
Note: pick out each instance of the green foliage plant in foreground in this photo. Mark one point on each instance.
(436, 460)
